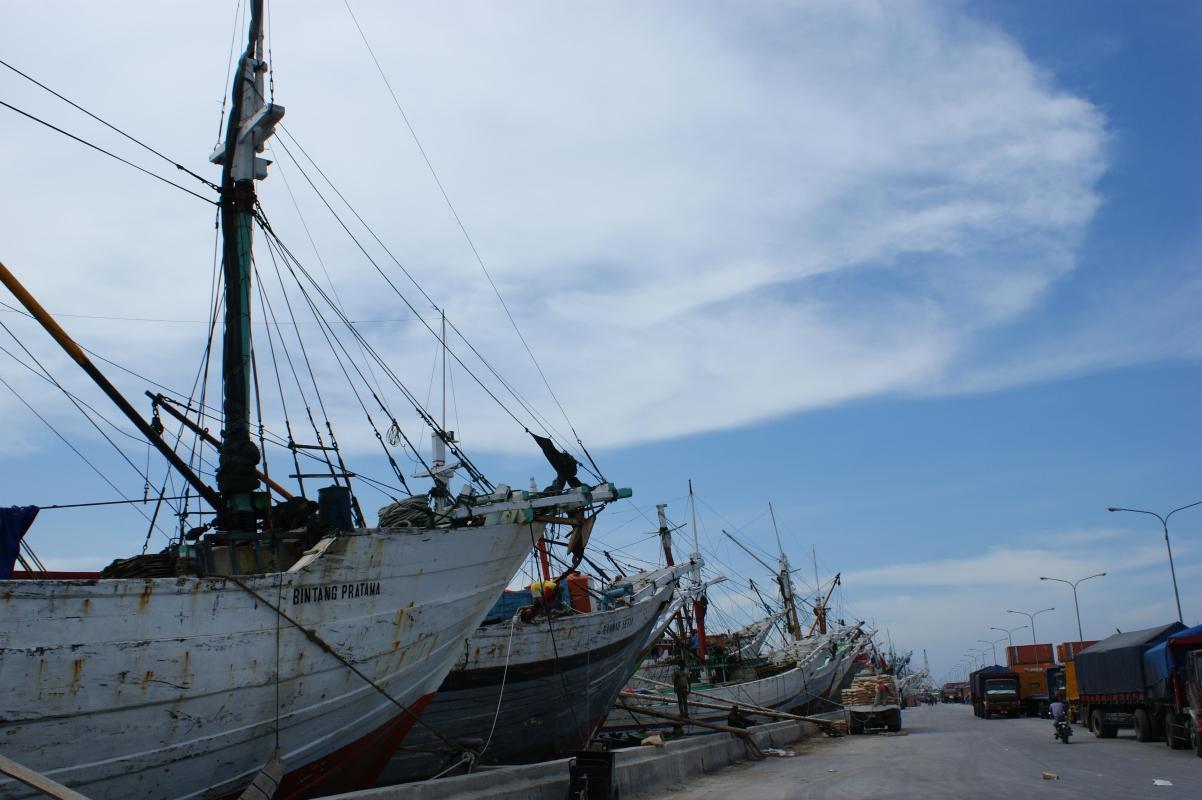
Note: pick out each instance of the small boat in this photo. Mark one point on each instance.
(287, 634)
(525, 691)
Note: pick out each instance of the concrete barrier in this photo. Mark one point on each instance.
(640, 770)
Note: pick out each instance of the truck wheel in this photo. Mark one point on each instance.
(1143, 726)
(894, 722)
(1198, 742)
(1095, 723)
(855, 726)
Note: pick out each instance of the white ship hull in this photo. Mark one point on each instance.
(812, 676)
(167, 687)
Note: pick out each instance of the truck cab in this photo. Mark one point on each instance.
(1001, 697)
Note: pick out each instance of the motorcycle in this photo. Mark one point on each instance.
(1063, 730)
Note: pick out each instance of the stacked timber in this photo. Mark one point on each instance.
(862, 691)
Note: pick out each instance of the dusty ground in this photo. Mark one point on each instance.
(948, 754)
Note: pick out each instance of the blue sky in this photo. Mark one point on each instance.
(924, 275)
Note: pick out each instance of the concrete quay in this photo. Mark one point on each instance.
(948, 754)
(641, 771)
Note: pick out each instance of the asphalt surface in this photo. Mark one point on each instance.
(946, 752)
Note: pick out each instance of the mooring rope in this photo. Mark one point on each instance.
(513, 623)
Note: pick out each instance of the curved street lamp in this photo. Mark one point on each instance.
(1080, 636)
(994, 645)
(1032, 618)
(1164, 523)
(1008, 631)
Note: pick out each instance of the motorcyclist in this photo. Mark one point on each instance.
(1059, 712)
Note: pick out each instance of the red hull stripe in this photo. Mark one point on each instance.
(354, 766)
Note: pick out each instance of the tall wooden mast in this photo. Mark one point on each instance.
(252, 122)
(785, 579)
(699, 602)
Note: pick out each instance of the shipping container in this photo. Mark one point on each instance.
(1071, 694)
(1028, 654)
(1067, 651)
(1033, 687)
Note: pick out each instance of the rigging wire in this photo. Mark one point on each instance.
(294, 265)
(190, 403)
(77, 406)
(239, 7)
(467, 237)
(331, 338)
(321, 262)
(108, 153)
(74, 449)
(112, 127)
(525, 405)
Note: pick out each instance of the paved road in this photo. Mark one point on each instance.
(948, 754)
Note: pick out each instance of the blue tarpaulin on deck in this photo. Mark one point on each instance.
(14, 522)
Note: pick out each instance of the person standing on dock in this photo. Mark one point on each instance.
(737, 719)
(680, 682)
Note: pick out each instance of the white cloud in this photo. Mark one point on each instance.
(699, 219)
(947, 605)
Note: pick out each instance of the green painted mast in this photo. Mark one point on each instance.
(252, 121)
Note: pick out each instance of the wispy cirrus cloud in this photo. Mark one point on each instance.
(701, 220)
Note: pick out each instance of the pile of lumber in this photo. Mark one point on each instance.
(862, 691)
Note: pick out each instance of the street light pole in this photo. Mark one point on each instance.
(1008, 631)
(991, 644)
(1080, 635)
(1032, 618)
(1164, 523)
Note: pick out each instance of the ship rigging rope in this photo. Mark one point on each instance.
(396, 290)
(341, 468)
(280, 387)
(292, 367)
(108, 153)
(67, 442)
(190, 403)
(467, 237)
(112, 127)
(321, 261)
(293, 265)
(513, 623)
(331, 338)
(526, 406)
(78, 407)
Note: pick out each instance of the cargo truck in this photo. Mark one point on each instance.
(1064, 683)
(954, 692)
(1147, 679)
(994, 691)
(877, 716)
(1033, 687)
